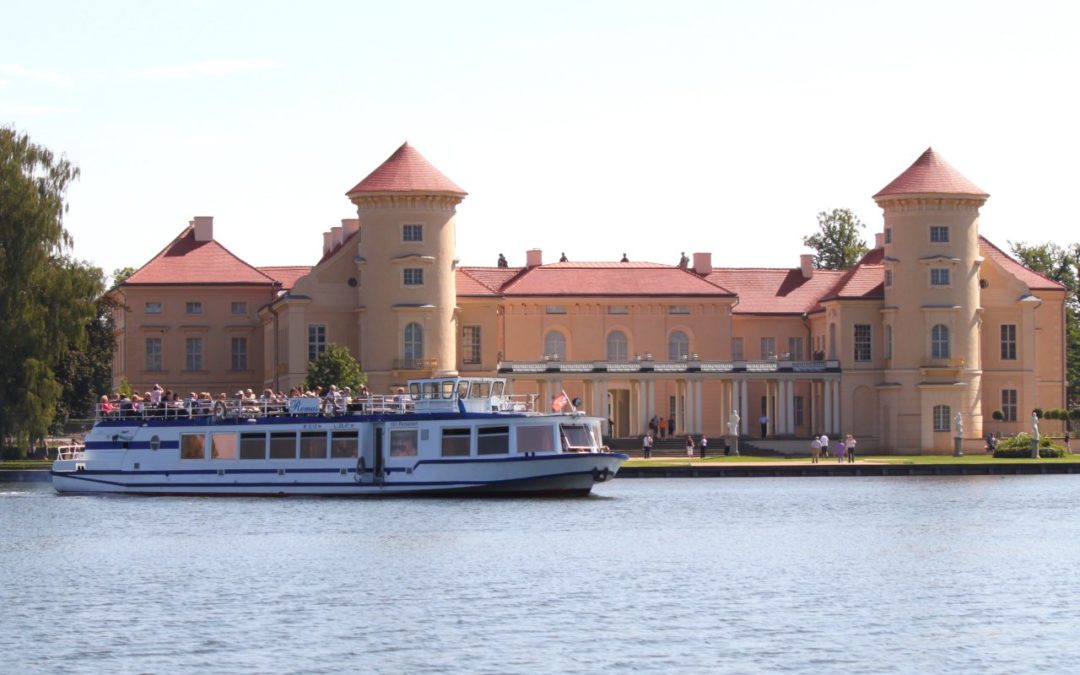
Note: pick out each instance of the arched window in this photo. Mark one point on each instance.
(414, 342)
(939, 341)
(941, 417)
(616, 346)
(678, 346)
(555, 345)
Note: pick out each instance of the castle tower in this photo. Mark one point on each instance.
(407, 292)
(931, 315)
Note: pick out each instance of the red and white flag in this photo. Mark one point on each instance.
(560, 402)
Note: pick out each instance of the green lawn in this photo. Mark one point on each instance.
(867, 459)
(20, 464)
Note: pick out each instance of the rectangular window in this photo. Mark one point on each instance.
(795, 348)
(492, 440)
(939, 276)
(888, 235)
(941, 418)
(555, 309)
(413, 276)
(455, 442)
(618, 309)
(238, 352)
(768, 347)
(313, 445)
(193, 353)
(862, 342)
(153, 308)
(1008, 342)
(344, 444)
(888, 342)
(153, 353)
(1008, 404)
(403, 442)
(939, 234)
(678, 309)
(252, 446)
(470, 344)
(736, 349)
(282, 445)
(223, 446)
(194, 308)
(316, 341)
(412, 232)
(239, 308)
(888, 277)
(798, 410)
(192, 446)
(535, 439)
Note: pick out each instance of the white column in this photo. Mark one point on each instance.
(604, 407)
(826, 387)
(698, 425)
(745, 423)
(790, 406)
(688, 406)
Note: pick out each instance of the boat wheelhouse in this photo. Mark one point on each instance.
(452, 435)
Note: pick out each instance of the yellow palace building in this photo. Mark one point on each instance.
(933, 322)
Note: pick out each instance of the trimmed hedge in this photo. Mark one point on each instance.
(1019, 446)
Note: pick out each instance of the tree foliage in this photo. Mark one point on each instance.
(837, 243)
(337, 366)
(1060, 264)
(46, 299)
(86, 373)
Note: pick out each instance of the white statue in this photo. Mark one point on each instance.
(733, 423)
(959, 422)
(1034, 426)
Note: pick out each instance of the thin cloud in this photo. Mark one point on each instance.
(16, 71)
(204, 68)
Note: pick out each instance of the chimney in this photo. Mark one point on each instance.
(879, 240)
(335, 236)
(703, 263)
(204, 228)
(326, 242)
(349, 226)
(534, 257)
(806, 262)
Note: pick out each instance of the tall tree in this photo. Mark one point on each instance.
(85, 374)
(335, 365)
(46, 299)
(1060, 264)
(837, 243)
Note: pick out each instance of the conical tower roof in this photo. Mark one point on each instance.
(406, 171)
(931, 174)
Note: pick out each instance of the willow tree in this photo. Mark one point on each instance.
(46, 298)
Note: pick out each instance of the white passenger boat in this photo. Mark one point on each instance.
(455, 435)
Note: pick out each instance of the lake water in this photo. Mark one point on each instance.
(808, 575)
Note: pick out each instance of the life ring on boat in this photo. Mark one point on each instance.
(360, 469)
(601, 475)
(219, 410)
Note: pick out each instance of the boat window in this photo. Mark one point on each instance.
(414, 391)
(447, 389)
(535, 439)
(497, 388)
(455, 442)
(252, 446)
(283, 445)
(431, 390)
(313, 445)
(344, 444)
(403, 442)
(480, 390)
(223, 446)
(576, 436)
(492, 440)
(463, 389)
(192, 446)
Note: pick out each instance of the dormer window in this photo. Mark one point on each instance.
(939, 234)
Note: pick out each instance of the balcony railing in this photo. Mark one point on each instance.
(668, 367)
(415, 364)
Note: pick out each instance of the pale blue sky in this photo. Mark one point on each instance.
(592, 128)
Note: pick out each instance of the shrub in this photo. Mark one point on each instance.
(1038, 412)
(998, 415)
(1075, 414)
(1019, 446)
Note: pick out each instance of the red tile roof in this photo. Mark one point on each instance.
(286, 275)
(775, 290)
(186, 261)
(1028, 276)
(615, 279)
(930, 174)
(406, 171)
(484, 281)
